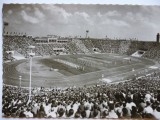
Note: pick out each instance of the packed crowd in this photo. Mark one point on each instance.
(138, 98)
(133, 99)
(122, 46)
(153, 53)
(16, 43)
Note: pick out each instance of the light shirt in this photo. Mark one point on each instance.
(156, 114)
(75, 107)
(88, 112)
(47, 109)
(55, 109)
(112, 114)
(52, 114)
(28, 114)
(148, 97)
(129, 105)
(148, 109)
(35, 109)
(68, 108)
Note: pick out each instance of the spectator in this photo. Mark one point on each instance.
(129, 103)
(134, 113)
(52, 114)
(148, 108)
(96, 114)
(158, 96)
(47, 108)
(125, 114)
(71, 113)
(41, 112)
(148, 96)
(28, 113)
(83, 114)
(112, 113)
(61, 113)
(78, 115)
(87, 111)
(85, 102)
(156, 113)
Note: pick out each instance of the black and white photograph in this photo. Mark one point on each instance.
(81, 61)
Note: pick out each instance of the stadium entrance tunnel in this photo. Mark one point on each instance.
(138, 53)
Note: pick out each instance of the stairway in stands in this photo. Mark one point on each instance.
(124, 47)
(79, 44)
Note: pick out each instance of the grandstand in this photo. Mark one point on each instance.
(47, 46)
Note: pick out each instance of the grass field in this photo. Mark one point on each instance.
(91, 67)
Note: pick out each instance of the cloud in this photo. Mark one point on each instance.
(58, 15)
(56, 12)
(82, 14)
(39, 14)
(111, 18)
(82, 17)
(99, 14)
(29, 18)
(113, 13)
(120, 23)
(114, 23)
(129, 16)
(32, 16)
(139, 21)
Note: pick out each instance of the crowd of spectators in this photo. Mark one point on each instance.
(123, 46)
(153, 53)
(120, 46)
(138, 98)
(16, 43)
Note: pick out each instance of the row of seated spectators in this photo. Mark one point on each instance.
(16, 43)
(153, 53)
(138, 98)
(21, 43)
(88, 43)
(125, 47)
(48, 49)
(81, 45)
(72, 47)
(115, 46)
(107, 45)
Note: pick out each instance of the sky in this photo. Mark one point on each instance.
(114, 21)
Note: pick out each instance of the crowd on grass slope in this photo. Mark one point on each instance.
(131, 99)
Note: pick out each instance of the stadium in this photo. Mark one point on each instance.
(78, 62)
(79, 77)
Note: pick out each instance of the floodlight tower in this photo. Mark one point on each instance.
(31, 54)
(5, 24)
(87, 31)
(158, 37)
